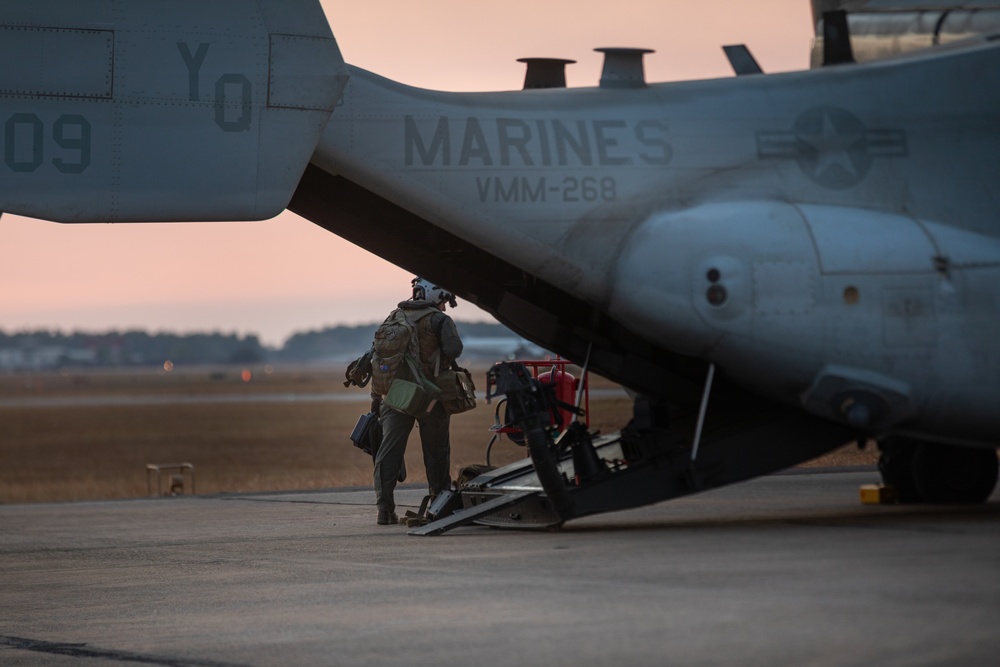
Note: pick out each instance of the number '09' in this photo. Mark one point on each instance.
(24, 138)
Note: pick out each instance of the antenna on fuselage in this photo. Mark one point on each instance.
(741, 60)
(623, 67)
(545, 72)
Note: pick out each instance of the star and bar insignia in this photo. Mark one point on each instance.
(832, 146)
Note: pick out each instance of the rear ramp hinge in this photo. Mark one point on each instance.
(467, 516)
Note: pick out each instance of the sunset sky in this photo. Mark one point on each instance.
(284, 275)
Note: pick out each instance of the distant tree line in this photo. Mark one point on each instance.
(343, 342)
(53, 349)
(130, 348)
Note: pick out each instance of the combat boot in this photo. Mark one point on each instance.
(386, 518)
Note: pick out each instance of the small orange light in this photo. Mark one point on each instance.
(246, 375)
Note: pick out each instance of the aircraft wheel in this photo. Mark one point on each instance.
(947, 474)
(896, 466)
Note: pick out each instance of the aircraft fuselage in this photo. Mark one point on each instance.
(827, 238)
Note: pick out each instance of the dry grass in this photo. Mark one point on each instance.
(98, 452)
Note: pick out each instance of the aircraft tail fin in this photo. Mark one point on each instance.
(148, 111)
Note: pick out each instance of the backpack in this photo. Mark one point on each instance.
(394, 339)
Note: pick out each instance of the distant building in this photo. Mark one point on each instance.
(44, 358)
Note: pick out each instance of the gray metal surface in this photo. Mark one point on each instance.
(784, 570)
(786, 211)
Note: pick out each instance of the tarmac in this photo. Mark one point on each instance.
(788, 569)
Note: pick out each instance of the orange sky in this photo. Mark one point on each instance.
(284, 275)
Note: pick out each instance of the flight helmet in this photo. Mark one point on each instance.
(428, 291)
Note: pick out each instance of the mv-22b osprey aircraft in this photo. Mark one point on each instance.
(774, 265)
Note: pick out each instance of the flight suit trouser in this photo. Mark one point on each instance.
(435, 441)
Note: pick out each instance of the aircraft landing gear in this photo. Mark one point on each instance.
(930, 472)
(896, 466)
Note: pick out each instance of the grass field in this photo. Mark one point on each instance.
(283, 429)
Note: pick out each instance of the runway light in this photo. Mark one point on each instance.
(168, 366)
(246, 375)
